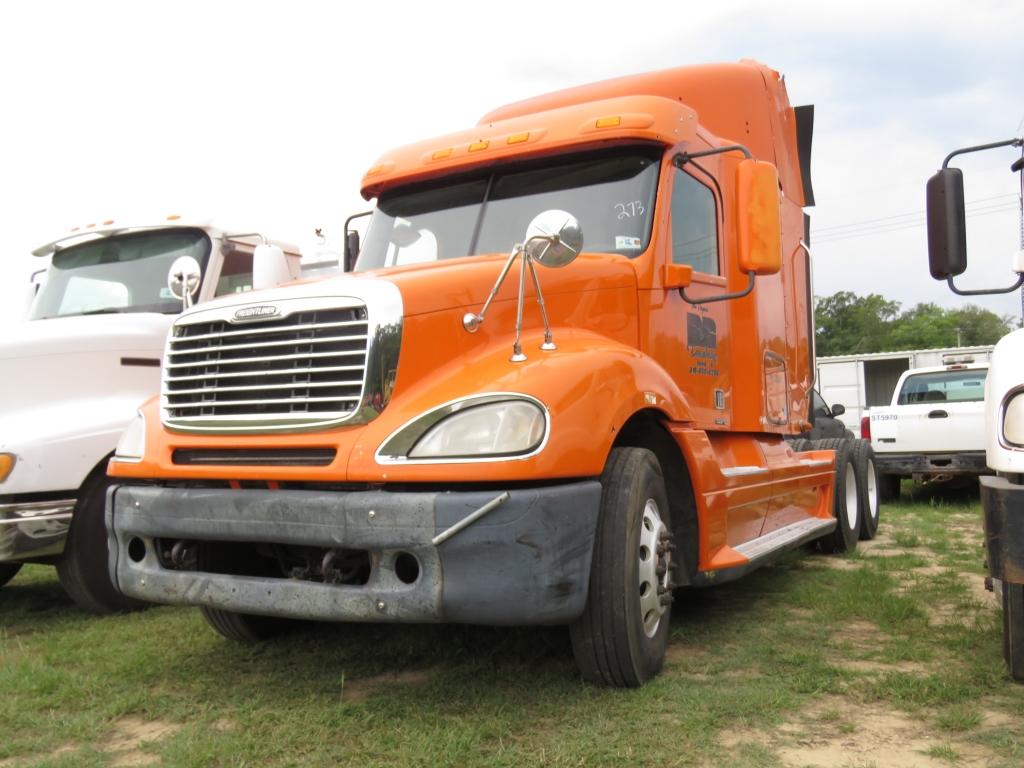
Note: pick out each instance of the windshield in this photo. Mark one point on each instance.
(123, 273)
(612, 195)
(944, 387)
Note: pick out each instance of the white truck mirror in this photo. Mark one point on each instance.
(183, 279)
(271, 267)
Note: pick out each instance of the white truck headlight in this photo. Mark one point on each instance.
(1013, 420)
(504, 428)
(132, 445)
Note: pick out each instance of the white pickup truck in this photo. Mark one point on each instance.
(934, 430)
(73, 374)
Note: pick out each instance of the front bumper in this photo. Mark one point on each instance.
(968, 463)
(525, 562)
(34, 529)
(1003, 505)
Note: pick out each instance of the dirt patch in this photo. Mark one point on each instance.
(130, 734)
(834, 732)
(59, 752)
(356, 691)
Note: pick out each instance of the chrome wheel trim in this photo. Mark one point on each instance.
(871, 503)
(652, 554)
(851, 495)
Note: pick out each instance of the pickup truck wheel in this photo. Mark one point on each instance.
(867, 482)
(1013, 629)
(621, 637)
(889, 487)
(82, 568)
(8, 572)
(846, 504)
(242, 627)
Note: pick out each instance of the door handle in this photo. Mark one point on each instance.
(938, 415)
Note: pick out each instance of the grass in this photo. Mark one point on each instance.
(800, 652)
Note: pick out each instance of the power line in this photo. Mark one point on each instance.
(897, 226)
(918, 213)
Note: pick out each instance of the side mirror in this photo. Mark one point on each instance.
(947, 228)
(351, 251)
(554, 238)
(271, 267)
(838, 409)
(760, 221)
(183, 279)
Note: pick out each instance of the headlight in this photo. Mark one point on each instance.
(480, 427)
(132, 445)
(1013, 420)
(499, 429)
(7, 461)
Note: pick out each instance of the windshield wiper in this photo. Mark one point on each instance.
(103, 311)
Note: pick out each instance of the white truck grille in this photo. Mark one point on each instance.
(245, 372)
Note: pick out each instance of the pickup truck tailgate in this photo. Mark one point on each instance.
(929, 428)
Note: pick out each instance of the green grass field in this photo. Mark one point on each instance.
(888, 657)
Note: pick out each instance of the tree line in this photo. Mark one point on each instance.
(848, 324)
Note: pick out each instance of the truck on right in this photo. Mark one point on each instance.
(1002, 494)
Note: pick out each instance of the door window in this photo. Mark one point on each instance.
(694, 225)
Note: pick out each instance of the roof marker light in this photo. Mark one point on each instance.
(608, 122)
(518, 138)
(108, 222)
(173, 217)
(441, 154)
(479, 145)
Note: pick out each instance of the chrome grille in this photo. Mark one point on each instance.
(302, 370)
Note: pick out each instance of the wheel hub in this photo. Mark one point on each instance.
(655, 568)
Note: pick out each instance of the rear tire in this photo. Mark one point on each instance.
(8, 571)
(82, 568)
(620, 639)
(846, 503)
(867, 488)
(1013, 629)
(889, 487)
(800, 445)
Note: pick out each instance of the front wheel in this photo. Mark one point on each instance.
(242, 627)
(82, 569)
(8, 571)
(620, 639)
(1013, 629)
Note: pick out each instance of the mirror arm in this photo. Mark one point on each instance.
(682, 158)
(985, 291)
(979, 148)
(724, 296)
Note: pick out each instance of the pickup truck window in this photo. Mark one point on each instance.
(612, 195)
(944, 387)
(122, 273)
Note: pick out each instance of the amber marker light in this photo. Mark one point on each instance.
(518, 138)
(608, 122)
(441, 154)
(173, 217)
(479, 146)
(6, 465)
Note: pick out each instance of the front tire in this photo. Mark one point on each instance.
(8, 571)
(1013, 629)
(242, 627)
(620, 639)
(82, 569)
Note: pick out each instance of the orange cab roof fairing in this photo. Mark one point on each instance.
(744, 102)
(641, 118)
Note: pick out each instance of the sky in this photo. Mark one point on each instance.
(267, 114)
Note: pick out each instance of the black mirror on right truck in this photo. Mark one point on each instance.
(947, 228)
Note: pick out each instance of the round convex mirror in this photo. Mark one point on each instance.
(184, 272)
(554, 238)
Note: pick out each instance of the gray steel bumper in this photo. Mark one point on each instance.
(526, 562)
(33, 529)
(968, 463)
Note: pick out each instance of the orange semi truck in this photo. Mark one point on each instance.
(554, 386)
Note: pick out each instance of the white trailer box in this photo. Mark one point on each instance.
(861, 381)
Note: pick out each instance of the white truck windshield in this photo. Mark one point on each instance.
(122, 273)
(612, 195)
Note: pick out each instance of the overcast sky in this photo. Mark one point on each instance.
(268, 114)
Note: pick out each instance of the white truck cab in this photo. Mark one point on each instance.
(74, 371)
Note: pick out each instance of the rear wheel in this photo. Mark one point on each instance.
(845, 499)
(799, 445)
(82, 568)
(621, 637)
(1013, 629)
(8, 571)
(867, 488)
(888, 487)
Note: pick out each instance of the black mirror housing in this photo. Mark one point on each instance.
(838, 409)
(351, 250)
(947, 226)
